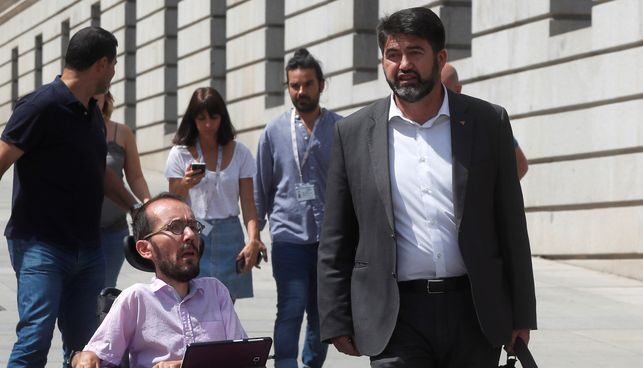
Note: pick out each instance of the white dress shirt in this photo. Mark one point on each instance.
(422, 193)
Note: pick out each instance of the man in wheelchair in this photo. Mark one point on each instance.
(155, 321)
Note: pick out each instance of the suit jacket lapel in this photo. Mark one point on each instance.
(462, 130)
(378, 148)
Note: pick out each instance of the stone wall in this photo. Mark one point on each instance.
(570, 73)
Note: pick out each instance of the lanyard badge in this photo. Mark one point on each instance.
(304, 191)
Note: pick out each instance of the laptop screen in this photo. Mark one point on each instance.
(244, 353)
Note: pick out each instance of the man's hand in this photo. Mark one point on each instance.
(116, 191)
(170, 364)
(85, 359)
(523, 334)
(346, 345)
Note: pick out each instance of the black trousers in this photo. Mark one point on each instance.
(437, 331)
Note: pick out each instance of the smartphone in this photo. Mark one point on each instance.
(241, 262)
(198, 166)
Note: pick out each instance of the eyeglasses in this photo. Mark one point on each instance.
(177, 227)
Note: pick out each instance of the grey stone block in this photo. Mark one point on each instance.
(194, 67)
(114, 18)
(145, 8)
(196, 37)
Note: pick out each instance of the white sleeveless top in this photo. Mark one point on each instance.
(216, 196)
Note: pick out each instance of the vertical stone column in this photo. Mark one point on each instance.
(64, 41)
(156, 78)
(456, 16)
(95, 14)
(120, 19)
(365, 48)
(254, 67)
(38, 61)
(129, 65)
(201, 48)
(14, 77)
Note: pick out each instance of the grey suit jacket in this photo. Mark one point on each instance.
(357, 279)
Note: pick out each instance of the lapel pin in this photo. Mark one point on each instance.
(462, 122)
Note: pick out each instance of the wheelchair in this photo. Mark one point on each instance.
(108, 295)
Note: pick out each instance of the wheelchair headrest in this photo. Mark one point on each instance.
(132, 256)
(140, 263)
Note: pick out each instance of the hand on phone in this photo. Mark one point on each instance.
(193, 174)
(241, 263)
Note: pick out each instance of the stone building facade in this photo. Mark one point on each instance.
(570, 73)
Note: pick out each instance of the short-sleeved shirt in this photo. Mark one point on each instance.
(155, 325)
(217, 195)
(58, 181)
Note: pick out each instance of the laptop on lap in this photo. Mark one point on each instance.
(245, 353)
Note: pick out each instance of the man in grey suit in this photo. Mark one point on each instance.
(424, 258)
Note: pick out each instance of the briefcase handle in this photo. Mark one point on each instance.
(522, 353)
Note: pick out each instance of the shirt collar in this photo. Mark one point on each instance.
(157, 284)
(395, 111)
(68, 98)
(322, 115)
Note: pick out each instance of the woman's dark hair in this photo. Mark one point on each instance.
(420, 22)
(302, 59)
(88, 46)
(204, 99)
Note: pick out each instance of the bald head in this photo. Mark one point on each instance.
(450, 78)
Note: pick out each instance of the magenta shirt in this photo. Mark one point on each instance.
(155, 325)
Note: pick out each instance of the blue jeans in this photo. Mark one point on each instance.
(294, 267)
(112, 244)
(54, 283)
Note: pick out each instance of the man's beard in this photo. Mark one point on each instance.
(306, 103)
(174, 271)
(418, 90)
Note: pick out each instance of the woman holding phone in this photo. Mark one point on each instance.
(122, 158)
(213, 171)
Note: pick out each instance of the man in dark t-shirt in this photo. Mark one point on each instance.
(56, 138)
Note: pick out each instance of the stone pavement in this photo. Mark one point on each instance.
(586, 318)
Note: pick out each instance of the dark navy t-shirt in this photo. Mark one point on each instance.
(58, 181)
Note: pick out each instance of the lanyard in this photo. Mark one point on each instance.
(217, 173)
(295, 151)
(219, 160)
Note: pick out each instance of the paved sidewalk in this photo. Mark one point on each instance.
(587, 318)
